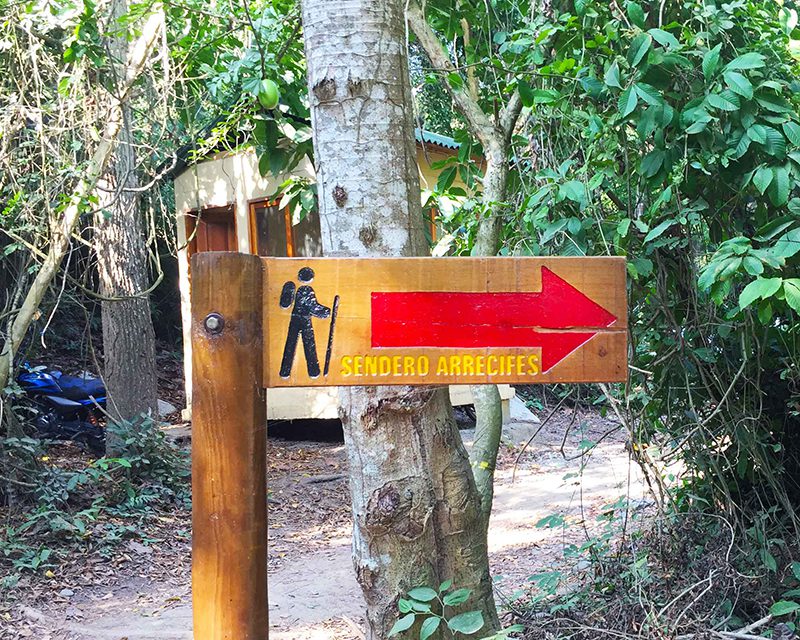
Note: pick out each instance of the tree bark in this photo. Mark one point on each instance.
(128, 336)
(495, 137)
(62, 229)
(416, 510)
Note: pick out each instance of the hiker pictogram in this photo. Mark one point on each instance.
(306, 307)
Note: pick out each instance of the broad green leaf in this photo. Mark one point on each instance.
(635, 13)
(459, 596)
(788, 244)
(403, 624)
(792, 131)
(664, 38)
(446, 178)
(762, 179)
(776, 104)
(711, 61)
(627, 102)
(751, 60)
(466, 623)
(725, 101)
(429, 627)
(757, 133)
(753, 266)
(423, 594)
(657, 231)
(648, 93)
(525, 93)
(573, 190)
(739, 84)
(445, 585)
(776, 143)
(742, 146)
(779, 189)
(623, 227)
(791, 290)
(612, 77)
(758, 289)
(455, 80)
(639, 48)
(652, 163)
(783, 607)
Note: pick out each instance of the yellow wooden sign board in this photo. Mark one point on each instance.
(368, 321)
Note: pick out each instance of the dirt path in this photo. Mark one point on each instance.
(312, 591)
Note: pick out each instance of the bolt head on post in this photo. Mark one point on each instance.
(214, 323)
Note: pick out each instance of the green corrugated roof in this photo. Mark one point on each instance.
(434, 138)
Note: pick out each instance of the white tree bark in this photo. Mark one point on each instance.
(62, 229)
(416, 510)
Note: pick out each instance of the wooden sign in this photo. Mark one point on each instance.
(367, 321)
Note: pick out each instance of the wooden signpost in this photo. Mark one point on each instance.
(300, 322)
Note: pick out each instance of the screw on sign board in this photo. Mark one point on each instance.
(283, 322)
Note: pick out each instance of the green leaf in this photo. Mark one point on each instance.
(652, 163)
(757, 133)
(612, 77)
(758, 289)
(445, 585)
(753, 266)
(742, 146)
(525, 93)
(711, 61)
(635, 13)
(627, 102)
(455, 80)
(403, 624)
(648, 93)
(791, 291)
(792, 131)
(739, 84)
(446, 178)
(725, 101)
(762, 179)
(783, 607)
(776, 143)
(657, 231)
(573, 190)
(788, 244)
(779, 189)
(639, 48)
(466, 623)
(776, 104)
(751, 60)
(429, 627)
(664, 38)
(457, 597)
(423, 594)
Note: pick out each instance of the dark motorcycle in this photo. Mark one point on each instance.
(66, 405)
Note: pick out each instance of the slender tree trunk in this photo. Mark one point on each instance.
(416, 509)
(128, 336)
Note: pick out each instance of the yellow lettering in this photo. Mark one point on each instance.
(370, 365)
(491, 370)
(408, 366)
(347, 366)
(455, 365)
(358, 364)
(533, 365)
(441, 366)
(509, 363)
(423, 365)
(469, 365)
(384, 365)
(396, 365)
(479, 362)
(520, 363)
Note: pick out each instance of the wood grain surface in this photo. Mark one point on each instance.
(229, 487)
(444, 320)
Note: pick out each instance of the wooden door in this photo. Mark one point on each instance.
(211, 230)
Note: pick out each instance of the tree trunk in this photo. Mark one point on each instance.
(128, 336)
(416, 510)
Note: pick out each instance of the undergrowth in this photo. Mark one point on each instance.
(55, 506)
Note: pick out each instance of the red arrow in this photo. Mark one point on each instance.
(547, 319)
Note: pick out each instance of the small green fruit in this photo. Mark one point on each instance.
(269, 95)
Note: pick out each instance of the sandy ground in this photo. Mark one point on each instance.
(312, 590)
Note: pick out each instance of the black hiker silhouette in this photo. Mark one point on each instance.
(305, 308)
